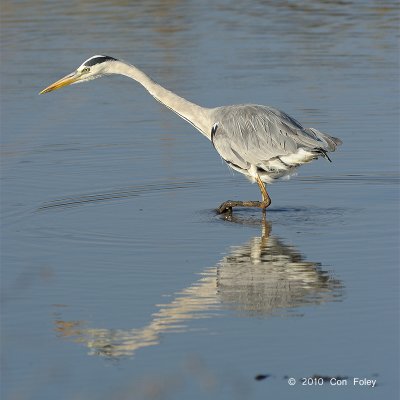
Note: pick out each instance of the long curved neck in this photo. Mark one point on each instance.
(194, 114)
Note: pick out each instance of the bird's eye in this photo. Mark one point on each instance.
(85, 70)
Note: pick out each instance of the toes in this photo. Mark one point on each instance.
(225, 207)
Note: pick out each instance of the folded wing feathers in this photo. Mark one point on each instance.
(255, 134)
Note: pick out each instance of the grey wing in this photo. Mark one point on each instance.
(229, 150)
(252, 134)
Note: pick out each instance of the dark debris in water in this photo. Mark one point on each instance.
(261, 377)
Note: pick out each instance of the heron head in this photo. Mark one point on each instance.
(92, 68)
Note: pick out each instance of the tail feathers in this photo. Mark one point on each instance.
(331, 141)
(324, 154)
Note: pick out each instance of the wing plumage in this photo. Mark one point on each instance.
(250, 137)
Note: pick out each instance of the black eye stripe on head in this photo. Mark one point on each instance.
(98, 60)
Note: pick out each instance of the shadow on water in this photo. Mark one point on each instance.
(263, 277)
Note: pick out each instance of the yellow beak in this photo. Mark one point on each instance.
(67, 80)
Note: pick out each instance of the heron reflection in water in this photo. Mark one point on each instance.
(262, 277)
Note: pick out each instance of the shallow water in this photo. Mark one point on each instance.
(119, 280)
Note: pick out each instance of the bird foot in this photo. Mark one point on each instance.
(227, 206)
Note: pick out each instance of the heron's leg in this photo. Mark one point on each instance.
(266, 199)
(227, 206)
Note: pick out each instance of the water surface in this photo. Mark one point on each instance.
(119, 280)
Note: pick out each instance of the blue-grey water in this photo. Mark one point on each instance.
(118, 279)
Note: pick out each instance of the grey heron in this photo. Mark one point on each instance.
(261, 142)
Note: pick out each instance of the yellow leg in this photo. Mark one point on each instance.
(264, 193)
(227, 206)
